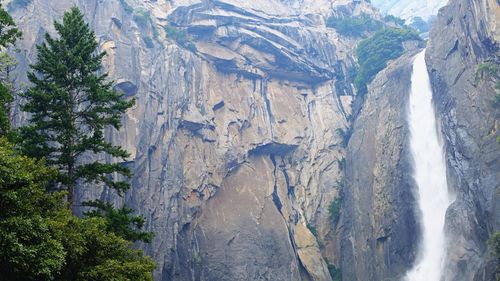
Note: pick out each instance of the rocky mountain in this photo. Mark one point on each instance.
(240, 139)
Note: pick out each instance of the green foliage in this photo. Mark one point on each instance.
(8, 35)
(148, 41)
(354, 26)
(29, 247)
(496, 101)
(374, 53)
(334, 209)
(419, 24)
(180, 36)
(335, 274)
(93, 253)
(313, 230)
(120, 221)
(5, 100)
(8, 31)
(494, 244)
(142, 19)
(70, 105)
(488, 70)
(396, 20)
(126, 6)
(41, 240)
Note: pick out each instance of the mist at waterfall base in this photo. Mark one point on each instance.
(430, 176)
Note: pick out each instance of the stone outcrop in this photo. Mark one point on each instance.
(466, 35)
(380, 229)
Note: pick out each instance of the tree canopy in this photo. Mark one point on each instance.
(71, 103)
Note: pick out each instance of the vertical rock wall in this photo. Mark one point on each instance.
(380, 232)
(465, 36)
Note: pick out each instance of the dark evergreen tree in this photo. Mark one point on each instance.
(120, 221)
(40, 239)
(8, 36)
(71, 104)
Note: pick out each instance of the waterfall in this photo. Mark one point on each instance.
(429, 174)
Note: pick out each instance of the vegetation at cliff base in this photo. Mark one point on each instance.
(30, 247)
(375, 52)
(41, 240)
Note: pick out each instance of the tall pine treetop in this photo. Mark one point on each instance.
(70, 105)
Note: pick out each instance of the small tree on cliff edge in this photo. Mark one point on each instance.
(71, 104)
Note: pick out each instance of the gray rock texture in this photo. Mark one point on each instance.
(238, 137)
(465, 36)
(380, 229)
(233, 139)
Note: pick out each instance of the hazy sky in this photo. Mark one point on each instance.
(408, 9)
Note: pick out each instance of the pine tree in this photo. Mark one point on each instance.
(71, 104)
(8, 36)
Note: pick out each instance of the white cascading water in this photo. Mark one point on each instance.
(430, 176)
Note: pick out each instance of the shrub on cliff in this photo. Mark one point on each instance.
(334, 209)
(375, 52)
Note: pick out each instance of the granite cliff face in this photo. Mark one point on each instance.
(380, 233)
(240, 135)
(234, 138)
(381, 228)
(465, 36)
